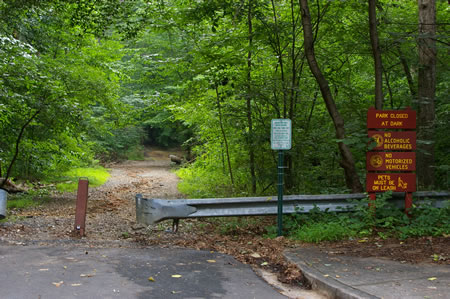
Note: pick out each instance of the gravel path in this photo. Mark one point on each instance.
(111, 213)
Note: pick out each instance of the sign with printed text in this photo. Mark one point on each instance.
(281, 134)
(391, 151)
(401, 141)
(391, 119)
(391, 161)
(397, 182)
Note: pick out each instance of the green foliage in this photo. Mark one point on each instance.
(135, 153)
(324, 231)
(29, 199)
(277, 84)
(125, 235)
(387, 216)
(96, 79)
(163, 130)
(208, 177)
(120, 144)
(21, 203)
(380, 217)
(69, 179)
(200, 182)
(427, 220)
(53, 79)
(47, 158)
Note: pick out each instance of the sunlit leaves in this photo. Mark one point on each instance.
(61, 76)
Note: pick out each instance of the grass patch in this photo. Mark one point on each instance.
(19, 201)
(318, 232)
(69, 181)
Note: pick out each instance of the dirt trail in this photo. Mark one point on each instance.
(111, 220)
(111, 214)
(152, 176)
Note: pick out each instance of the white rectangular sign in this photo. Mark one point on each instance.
(281, 134)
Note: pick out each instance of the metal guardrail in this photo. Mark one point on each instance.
(150, 211)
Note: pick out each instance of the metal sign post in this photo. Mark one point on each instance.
(280, 139)
(280, 193)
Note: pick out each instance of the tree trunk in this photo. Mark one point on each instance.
(408, 75)
(251, 148)
(388, 85)
(347, 162)
(292, 96)
(426, 91)
(16, 153)
(279, 52)
(376, 55)
(227, 151)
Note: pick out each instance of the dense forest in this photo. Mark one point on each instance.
(90, 81)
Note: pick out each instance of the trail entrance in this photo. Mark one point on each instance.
(110, 213)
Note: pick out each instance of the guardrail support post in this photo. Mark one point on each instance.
(81, 208)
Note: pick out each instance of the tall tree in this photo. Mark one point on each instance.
(426, 91)
(376, 52)
(347, 162)
(251, 149)
(224, 135)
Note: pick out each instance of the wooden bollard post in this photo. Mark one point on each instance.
(408, 203)
(81, 208)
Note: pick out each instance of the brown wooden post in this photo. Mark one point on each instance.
(81, 208)
(408, 202)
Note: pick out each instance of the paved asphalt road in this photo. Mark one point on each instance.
(77, 272)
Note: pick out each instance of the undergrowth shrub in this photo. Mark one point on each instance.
(427, 220)
(204, 179)
(368, 218)
(315, 232)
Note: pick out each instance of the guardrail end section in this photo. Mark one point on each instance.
(151, 211)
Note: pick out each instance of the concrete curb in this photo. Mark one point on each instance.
(329, 286)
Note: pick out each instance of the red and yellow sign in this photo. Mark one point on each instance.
(404, 141)
(397, 182)
(393, 152)
(391, 119)
(391, 161)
